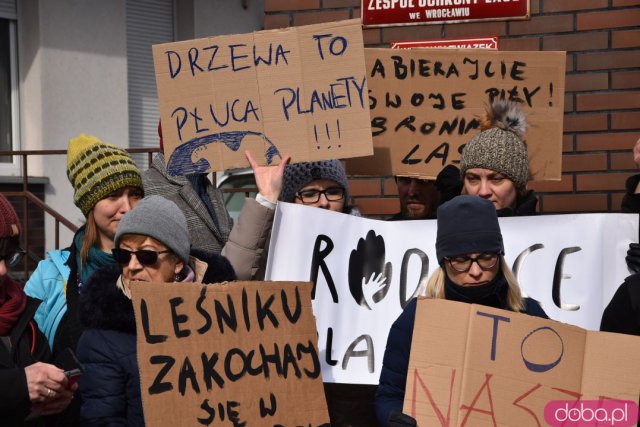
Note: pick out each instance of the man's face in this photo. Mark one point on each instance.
(418, 197)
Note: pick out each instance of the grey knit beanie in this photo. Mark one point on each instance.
(161, 219)
(298, 175)
(500, 147)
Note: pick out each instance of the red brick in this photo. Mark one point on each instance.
(625, 79)
(284, 5)
(272, 21)
(474, 29)
(564, 185)
(616, 202)
(575, 203)
(330, 4)
(584, 162)
(542, 24)
(365, 187)
(569, 102)
(608, 60)
(628, 120)
(567, 143)
(385, 206)
(399, 34)
(606, 141)
(586, 81)
(623, 39)
(607, 101)
(521, 44)
(309, 18)
(622, 161)
(568, 5)
(577, 41)
(355, 13)
(601, 181)
(372, 36)
(608, 19)
(571, 62)
(390, 187)
(585, 122)
(622, 3)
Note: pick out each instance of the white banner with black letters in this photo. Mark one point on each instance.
(366, 270)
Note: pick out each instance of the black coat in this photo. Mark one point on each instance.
(630, 200)
(622, 315)
(29, 346)
(110, 386)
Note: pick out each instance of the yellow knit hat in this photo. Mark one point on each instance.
(96, 169)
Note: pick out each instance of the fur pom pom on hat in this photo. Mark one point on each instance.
(500, 146)
(298, 175)
(96, 169)
(9, 222)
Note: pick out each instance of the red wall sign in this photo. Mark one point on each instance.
(466, 43)
(379, 13)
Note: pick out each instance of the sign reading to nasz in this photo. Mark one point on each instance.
(241, 354)
(297, 91)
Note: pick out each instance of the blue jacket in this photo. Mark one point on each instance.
(110, 386)
(393, 376)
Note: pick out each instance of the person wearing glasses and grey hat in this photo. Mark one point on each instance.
(472, 270)
(151, 244)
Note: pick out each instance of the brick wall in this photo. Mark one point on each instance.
(602, 103)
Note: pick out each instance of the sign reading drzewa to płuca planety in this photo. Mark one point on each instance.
(241, 353)
(297, 91)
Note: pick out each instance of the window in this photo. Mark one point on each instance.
(8, 97)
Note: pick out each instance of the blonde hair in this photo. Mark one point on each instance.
(435, 286)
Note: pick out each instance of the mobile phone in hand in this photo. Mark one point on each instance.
(73, 375)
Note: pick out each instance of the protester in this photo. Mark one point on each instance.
(107, 184)
(27, 382)
(631, 198)
(495, 165)
(470, 251)
(151, 244)
(622, 314)
(201, 203)
(420, 198)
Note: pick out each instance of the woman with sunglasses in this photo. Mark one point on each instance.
(27, 382)
(472, 270)
(151, 245)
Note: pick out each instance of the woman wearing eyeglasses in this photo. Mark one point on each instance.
(151, 245)
(27, 382)
(472, 270)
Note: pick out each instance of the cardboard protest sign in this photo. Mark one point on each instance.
(503, 368)
(242, 353)
(299, 91)
(426, 104)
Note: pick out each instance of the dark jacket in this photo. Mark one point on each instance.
(525, 206)
(110, 386)
(630, 200)
(393, 376)
(622, 315)
(29, 346)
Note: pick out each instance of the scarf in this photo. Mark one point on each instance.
(493, 294)
(12, 303)
(199, 183)
(95, 260)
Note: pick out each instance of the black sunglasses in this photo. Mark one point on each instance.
(144, 257)
(12, 259)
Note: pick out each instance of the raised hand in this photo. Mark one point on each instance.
(369, 275)
(268, 178)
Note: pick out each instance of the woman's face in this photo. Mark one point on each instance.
(163, 270)
(332, 198)
(476, 275)
(490, 185)
(108, 212)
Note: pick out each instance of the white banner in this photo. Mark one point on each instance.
(571, 264)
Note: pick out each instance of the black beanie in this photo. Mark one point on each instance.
(467, 224)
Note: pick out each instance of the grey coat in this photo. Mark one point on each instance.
(204, 233)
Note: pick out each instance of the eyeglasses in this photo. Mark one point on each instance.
(308, 197)
(12, 259)
(463, 264)
(144, 257)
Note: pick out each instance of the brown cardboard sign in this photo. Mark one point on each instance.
(241, 353)
(426, 104)
(476, 365)
(299, 91)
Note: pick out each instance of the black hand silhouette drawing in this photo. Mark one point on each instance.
(369, 276)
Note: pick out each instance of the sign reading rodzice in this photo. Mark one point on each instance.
(426, 104)
(299, 91)
(241, 353)
(378, 13)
